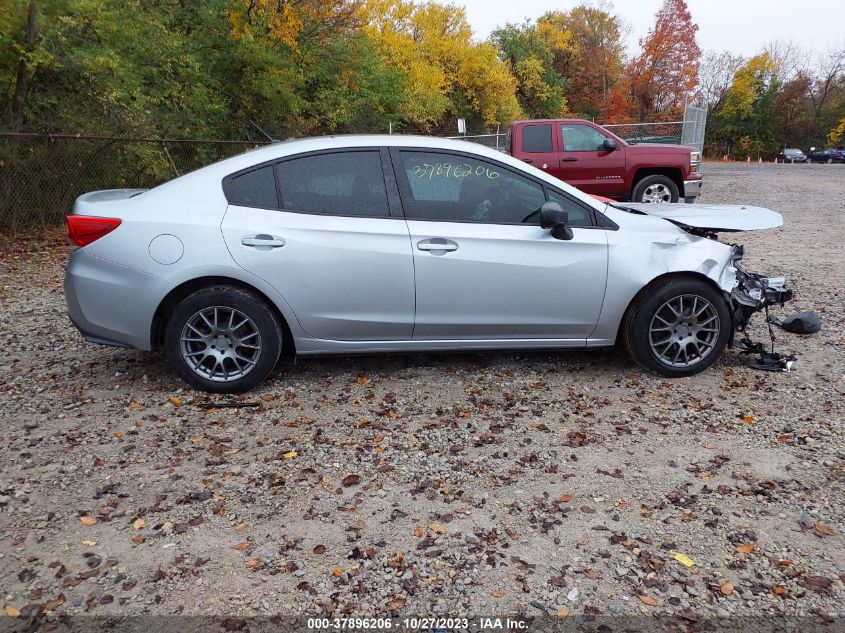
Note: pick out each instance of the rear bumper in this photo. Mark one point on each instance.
(111, 304)
(692, 188)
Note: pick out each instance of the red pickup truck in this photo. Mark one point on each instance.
(596, 161)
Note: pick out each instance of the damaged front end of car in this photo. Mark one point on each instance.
(753, 292)
(747, 294)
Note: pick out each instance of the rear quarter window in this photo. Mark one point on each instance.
(256, 188)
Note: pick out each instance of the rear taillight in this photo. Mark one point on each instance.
(84, 229)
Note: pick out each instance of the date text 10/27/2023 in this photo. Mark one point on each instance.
(428, 624)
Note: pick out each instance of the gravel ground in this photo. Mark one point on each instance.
(566, 484)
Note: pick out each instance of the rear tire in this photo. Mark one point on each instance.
(223, 339)
(678, 327)
(655, 189)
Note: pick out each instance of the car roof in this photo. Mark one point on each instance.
(291, 147)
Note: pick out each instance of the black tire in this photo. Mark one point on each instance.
(638, 322)
(641, 189)
(261, 320)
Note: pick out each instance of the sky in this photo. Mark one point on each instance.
(742, 27)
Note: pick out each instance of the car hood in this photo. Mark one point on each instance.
(711, 217)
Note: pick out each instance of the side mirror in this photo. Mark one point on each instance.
(610, 145)
(553, 217)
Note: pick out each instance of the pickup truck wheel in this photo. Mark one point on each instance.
(678, 328)
(655, 189)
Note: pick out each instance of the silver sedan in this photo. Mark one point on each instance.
(396, 243)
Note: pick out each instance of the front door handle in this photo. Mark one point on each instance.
(263, 242)
(437, 246)
(568, 159)
(527, 160)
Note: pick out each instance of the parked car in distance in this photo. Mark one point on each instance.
(597, 161)
(827, 156)
(340, 245)
(792, 155)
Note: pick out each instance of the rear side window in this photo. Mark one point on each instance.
(340, 183)
(537, 138)
(256, 188)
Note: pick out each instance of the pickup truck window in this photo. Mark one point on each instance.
(537, 139)
(581, 138)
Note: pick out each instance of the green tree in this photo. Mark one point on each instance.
(527, 51)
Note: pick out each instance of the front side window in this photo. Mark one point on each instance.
(454, 188)
(256, 188)
(581, 138)
(340, 183)
(537, 138)
(578, 215)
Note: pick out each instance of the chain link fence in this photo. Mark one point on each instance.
(41, 175)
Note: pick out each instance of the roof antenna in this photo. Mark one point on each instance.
(258, 127)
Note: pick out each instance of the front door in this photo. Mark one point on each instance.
(484, 268)
(325, 239)
(585, 164)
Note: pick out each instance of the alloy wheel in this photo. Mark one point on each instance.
(684, 330)
(657, 193)
(220, 343)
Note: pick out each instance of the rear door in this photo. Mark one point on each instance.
(318, 227)
(585, 164)
(538, 146)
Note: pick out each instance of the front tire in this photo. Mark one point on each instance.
(223, 339)
(655, 189)
(677, 328)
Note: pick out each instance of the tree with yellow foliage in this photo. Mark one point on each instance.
(447, 74)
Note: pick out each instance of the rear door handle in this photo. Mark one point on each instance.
(437, 246)
(263, 242)
(568, 160)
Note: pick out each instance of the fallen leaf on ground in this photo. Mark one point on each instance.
(565, 498)
(176, 401)
(289, 455)
(361, 380)
(11, 611)
(748, 419)
(240, 527)
(336, 571)
(726, 588)
(564, 612)
(89, 542)
(747, 548)
(87, 520)
(350, 480)
(824, 530)
(648, 600)
(253, 563)
(54, 604)
(319, 549)
(685, 560)
(437, 528)
(241, 546)
(138, 539)
(497, 594)
(139, 523)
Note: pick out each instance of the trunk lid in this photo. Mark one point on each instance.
(98, 203)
